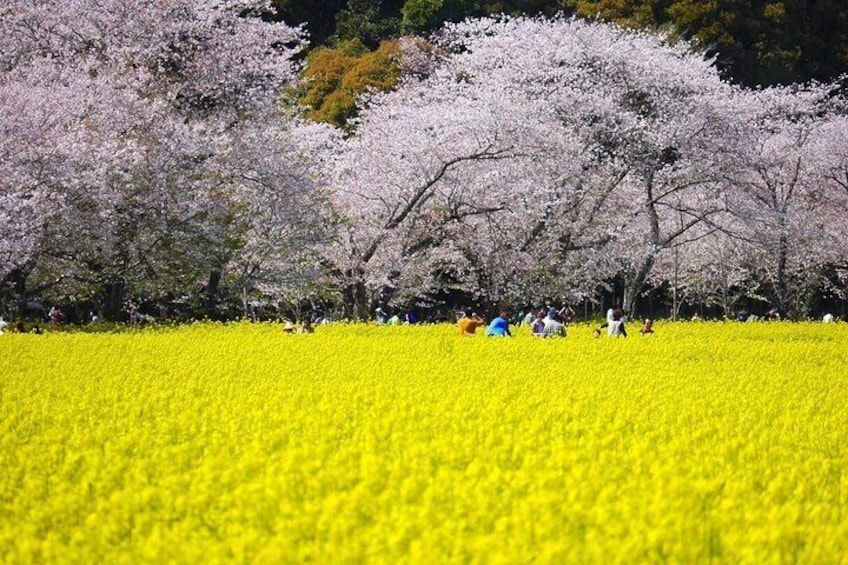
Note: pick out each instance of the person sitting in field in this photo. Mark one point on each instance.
(56, 316)
(553, 327)
(499, 326)
(288, 327)
(828, 318)
(648, 327)
(469, 322)
(3, 324)
(306, 326)
(380, 316)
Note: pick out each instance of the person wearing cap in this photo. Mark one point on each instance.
(499, 326)
(553, 327)
(468, 323)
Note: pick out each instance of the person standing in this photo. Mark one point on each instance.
(614, 324)
(566, 314)
(616, 327)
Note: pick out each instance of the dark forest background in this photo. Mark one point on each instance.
(754, 42)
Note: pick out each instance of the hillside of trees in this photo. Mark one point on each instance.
(756, 43)
(759, 43)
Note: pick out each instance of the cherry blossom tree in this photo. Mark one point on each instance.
(282, 216)
(779, 197)
(830, 148)
(124, 141)
(531, 157)
(711, 271)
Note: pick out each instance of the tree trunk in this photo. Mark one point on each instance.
(13, 294)
(113, 294)
(355, 303)
(635, 284)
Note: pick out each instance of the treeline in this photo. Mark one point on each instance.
(755, 43)
(148, 166)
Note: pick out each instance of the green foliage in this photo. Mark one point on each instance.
(760, 42)
(768, 42)
(641, 14)
(420, 15)
(369, 21)
(336, 77)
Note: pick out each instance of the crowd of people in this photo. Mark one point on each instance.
(547, 323)
(19, 327)
(544, 323)
(553, 322)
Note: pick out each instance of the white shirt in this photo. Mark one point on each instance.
(553, 328)
(614, 328)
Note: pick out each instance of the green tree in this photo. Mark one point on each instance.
(420, 15)
(725, 29)
(769, 42)
(337, 77)
(369, 21)
(638, 14)
(755, 42)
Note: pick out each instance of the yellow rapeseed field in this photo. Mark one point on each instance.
(721, 442)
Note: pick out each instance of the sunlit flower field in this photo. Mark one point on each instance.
(238, 443)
